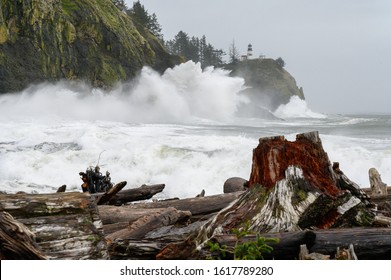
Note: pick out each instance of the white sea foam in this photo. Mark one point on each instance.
(185, 161)
(51, 132)
(296, 108)
(358, 155)
(187, 158)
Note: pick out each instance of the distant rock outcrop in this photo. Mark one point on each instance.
(90, 40)
(268, 84)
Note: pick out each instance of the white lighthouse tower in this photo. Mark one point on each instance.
(250, 52)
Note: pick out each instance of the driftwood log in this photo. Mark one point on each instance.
(120, 196)
(378, 188)
(369, 243)
(149, 246)
(142, 226)
(155, 232)
(198, 206)
(65, 225)
(108, 195)
(17, 242)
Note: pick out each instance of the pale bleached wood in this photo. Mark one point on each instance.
(141, 227)
(17, 241)
(66, 225)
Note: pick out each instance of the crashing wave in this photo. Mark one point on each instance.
(297, 108)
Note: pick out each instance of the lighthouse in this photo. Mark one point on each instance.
(250, 51)
(249, 54)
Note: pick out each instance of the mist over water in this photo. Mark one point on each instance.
(178, 128)
(181, 94)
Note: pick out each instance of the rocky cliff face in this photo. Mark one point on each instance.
(269, 84)
(91, 40)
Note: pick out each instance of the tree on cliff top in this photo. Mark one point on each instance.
(196, 49)
(280, 62)
(120, 4)
(142, 17)
(233, 53)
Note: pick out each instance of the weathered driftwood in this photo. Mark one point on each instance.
(378, 188)
(381, 220)
(368, 191)
(116, 218)
(287, 247)
(152, 244)
(62, 188)
(201, 194)
(346, 254)
(134, 249)
(344, 183)
(142, 193)
(102, 199)
(342, 254)
(141, 227)
(66, 225)
(17, 241)
(369, 243)
(306, 255)
(125, 214)
(198, 206)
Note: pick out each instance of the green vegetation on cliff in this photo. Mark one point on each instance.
(101, 44)
(90, 40)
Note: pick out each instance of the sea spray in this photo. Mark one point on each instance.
(178, 129)
(185, 158)
(296, 108)
(182, 94)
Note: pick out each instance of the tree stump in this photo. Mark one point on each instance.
(292, 187)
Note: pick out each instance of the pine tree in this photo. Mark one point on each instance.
(198, 50)
(154, 26)
(233, 53)
(280, 62)
(141, 16)
(120, 4)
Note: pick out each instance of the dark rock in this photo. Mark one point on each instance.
(62, 188)
(235, 184)
(268, 84)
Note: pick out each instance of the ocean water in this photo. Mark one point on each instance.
(179, 129)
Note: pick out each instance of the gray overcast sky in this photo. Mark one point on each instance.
(339, 51)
